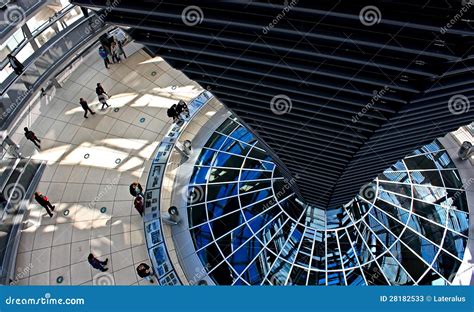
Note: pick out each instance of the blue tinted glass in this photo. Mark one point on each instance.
(269, 238)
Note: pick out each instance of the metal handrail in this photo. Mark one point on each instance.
(37, 32)
(7, 269)
(56, 67)
(169, 139)
(51, 42)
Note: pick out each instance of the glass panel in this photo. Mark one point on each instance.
(272, 241)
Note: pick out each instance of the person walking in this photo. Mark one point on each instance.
(85, 107)
(96, 263)
(144, 271)
(114, 50)
(102, 95)
(30, 135)
(43, 201)
(104, 55)
(100, 90)
(16, 64)
(139, 205)
(103, 101)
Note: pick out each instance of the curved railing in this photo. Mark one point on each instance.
(45, 63)
(49, 24)
(48, 62)
(18, 186)
(153, 222)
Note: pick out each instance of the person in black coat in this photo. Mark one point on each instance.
(102, 95)
(136, 189)
(144, 271)
(173, 113)
(99, 90)
(182, 108)
(85, 107)
(43, 201)
(96, 263)
(16, 64)
(30, 135)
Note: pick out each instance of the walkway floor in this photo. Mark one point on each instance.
(91, 162)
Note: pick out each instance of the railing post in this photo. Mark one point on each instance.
(27, 32)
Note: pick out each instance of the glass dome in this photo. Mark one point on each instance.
(408, 227)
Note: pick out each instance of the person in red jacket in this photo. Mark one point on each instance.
(44, 202)
(30, 135)
(139, 204)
